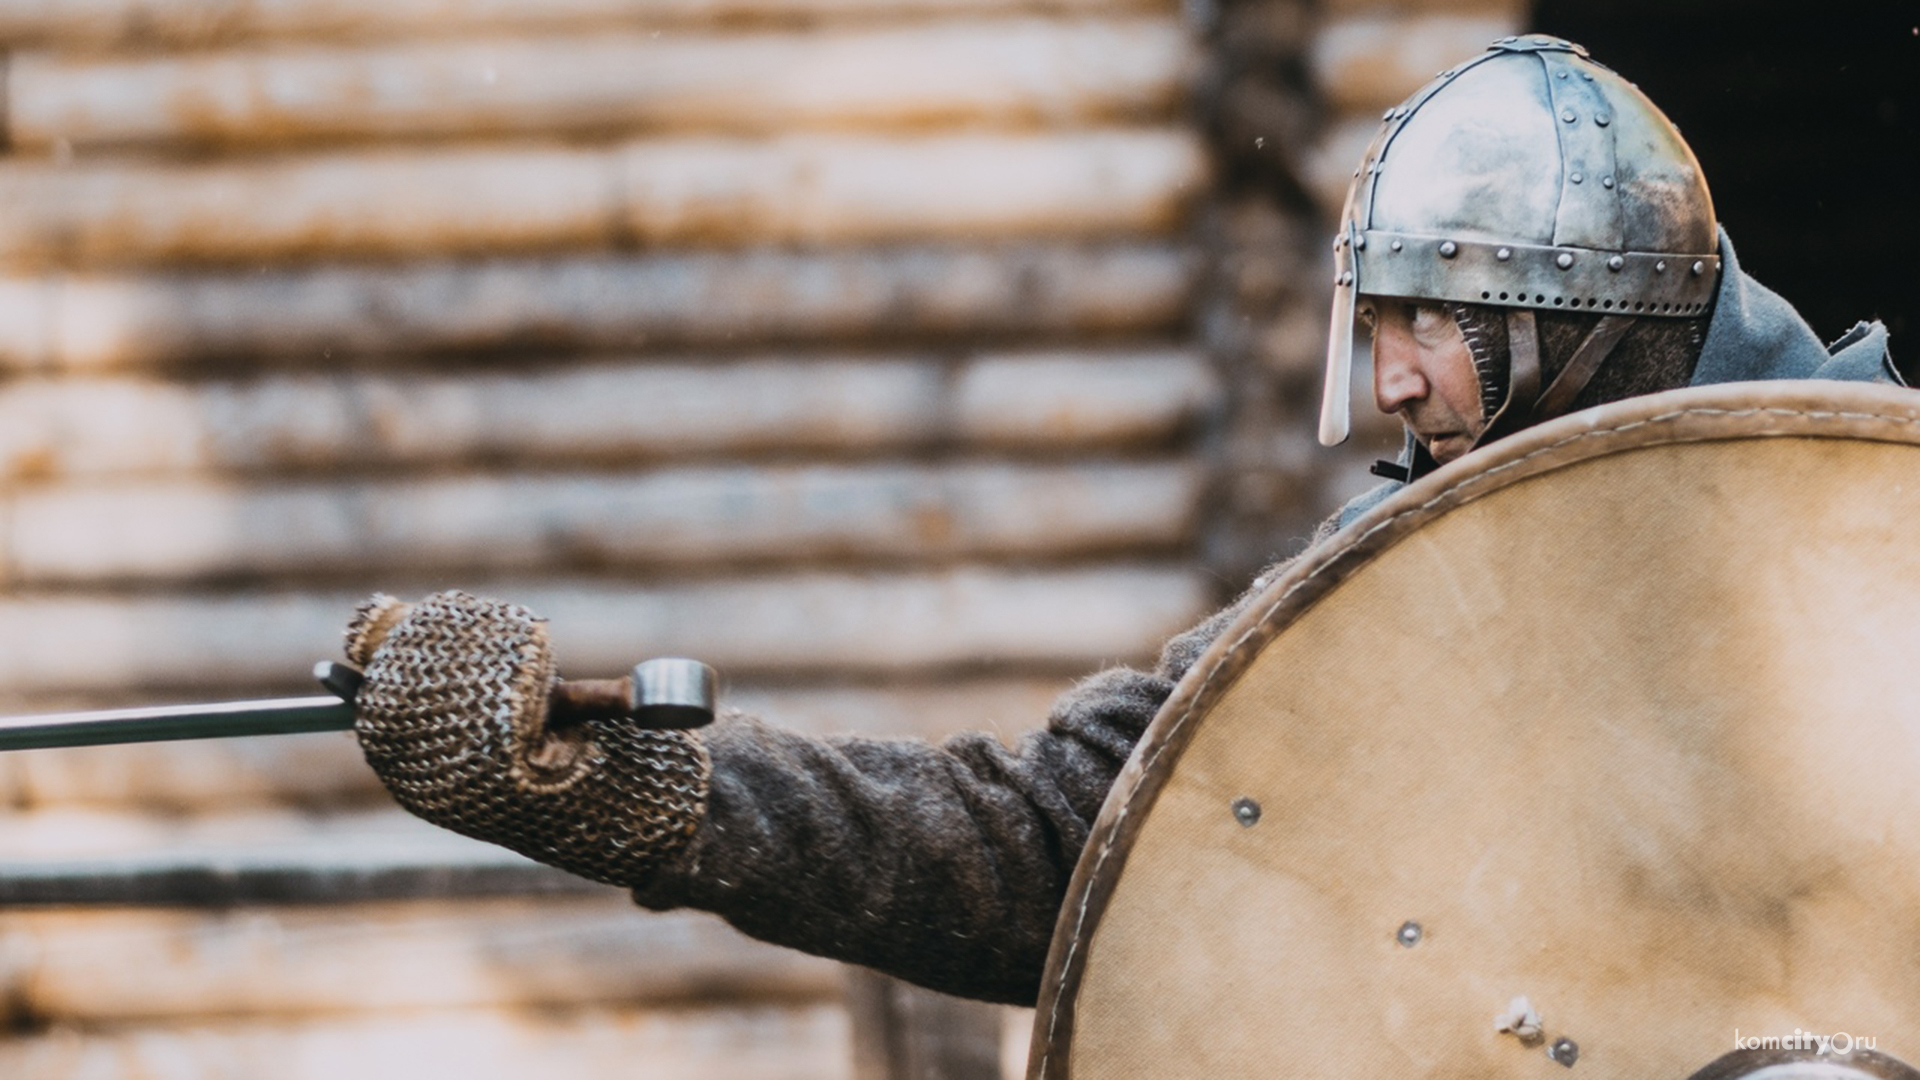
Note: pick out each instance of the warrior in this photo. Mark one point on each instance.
(1526, 237)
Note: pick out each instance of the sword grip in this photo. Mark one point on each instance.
(663, 693)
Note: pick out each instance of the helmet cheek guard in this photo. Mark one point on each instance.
(1529, 178)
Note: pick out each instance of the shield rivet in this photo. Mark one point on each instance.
(1568, 116)
(1565, 1051)
(1409, 934)
(1699, 268)
(1245, 810)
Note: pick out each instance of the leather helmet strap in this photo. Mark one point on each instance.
(1594, 350)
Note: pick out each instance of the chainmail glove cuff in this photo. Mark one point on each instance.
(453, 717)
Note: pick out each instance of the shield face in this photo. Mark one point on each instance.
(1621, 717)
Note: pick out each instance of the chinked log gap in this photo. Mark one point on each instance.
(660, 693)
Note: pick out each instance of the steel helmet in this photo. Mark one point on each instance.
(1531, 179)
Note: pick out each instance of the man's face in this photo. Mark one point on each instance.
(1423, 372)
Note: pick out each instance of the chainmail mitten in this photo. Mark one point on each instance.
(453, 718)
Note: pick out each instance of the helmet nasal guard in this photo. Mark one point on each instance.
(1533, 179)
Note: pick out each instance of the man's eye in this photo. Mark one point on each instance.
(1428, 317)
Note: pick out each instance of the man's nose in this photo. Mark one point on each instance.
(1397, 378)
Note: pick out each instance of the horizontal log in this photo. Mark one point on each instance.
(412, 203)
(326, 770)
(1370, 61)
(69, 857)
(212, 23)
(127, 966)
(808, 622)
(151, 531)
(107, 321)
(768, 1043)
(67, 428)
(998, 71)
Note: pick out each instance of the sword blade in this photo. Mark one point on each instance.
(101, 727)
(660, 694)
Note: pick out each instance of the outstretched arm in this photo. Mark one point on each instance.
(944, 865)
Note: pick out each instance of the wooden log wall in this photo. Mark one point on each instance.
(905, 358)
(843, 343)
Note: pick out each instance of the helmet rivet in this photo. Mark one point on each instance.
(1507, 40)
(1448, 249)
(1503, 254)
(1345, 278)
(1563, 74)
(1388, 115)
(1567, 115)
(1616, 263)
(1396, 245)
(1699, 268)
(1564, 260)
(1543, 42)
(1359, 243)
(1606, 181)
(1576, 178)
(1586, 76)
(1603, 119)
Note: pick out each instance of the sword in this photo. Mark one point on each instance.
(660, 693)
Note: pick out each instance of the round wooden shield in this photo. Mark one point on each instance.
(1616, 723)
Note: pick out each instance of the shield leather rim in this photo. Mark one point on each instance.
(1797, 408)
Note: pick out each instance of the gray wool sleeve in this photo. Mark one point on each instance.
(944, 865)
